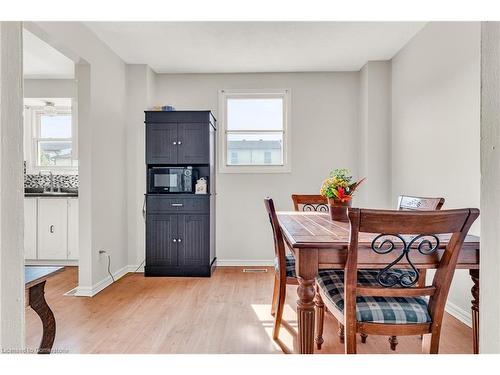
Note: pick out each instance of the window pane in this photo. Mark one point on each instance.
(54, 153)
(255, 149)
(255, 114)
(58, 126)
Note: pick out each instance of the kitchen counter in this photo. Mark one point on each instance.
(50, 195)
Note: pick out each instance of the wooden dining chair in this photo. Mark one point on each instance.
(392, 303)
(284, 267)
(409, 203)
(310, 202)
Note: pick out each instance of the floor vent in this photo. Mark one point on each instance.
(253, 270)
(72, 292)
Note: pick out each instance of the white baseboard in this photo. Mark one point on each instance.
(135, 268)
(104, 283)
(465, 316)
(43, 262)
(242, 262)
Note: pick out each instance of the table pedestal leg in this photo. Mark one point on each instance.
(39, 305)
(305, 316)
(474, 274)
(307, 269)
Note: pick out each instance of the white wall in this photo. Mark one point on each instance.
(140, 91)
(50, 88)
(11, 188)
(324, 136)
(435, 125)
(374, 144)
(489, 335)
(102, 158)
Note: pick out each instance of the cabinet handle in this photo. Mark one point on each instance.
(177, 204)
(174, 240)
(179, 142)
(179, 240)
(174, 143)
(51, 229)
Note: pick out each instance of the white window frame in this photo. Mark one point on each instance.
(224, 95)
(33, 129)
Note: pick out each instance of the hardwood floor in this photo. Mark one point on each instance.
(228, 313)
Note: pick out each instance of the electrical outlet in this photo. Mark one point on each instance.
(102, 252)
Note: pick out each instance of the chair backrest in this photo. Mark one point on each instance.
(304, 202)
(279, 244)
(402, 236)
(409, 203)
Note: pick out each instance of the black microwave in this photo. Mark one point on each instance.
(171, 179)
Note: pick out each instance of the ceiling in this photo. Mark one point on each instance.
(234, 47)
(42, 61)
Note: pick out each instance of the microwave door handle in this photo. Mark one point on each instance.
(144, 208)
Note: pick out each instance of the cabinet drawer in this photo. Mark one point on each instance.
(158, 204)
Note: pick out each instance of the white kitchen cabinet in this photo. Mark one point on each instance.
(52, 228)
(30, 228)
(72, 228)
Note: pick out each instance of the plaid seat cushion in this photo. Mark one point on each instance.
(389, 310)
(290, 265)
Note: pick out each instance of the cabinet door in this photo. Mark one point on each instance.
(161, 143)
(30, 228)
(161, 231)
(52, 228)
(73, 228)
(194, 147)
(194, 244)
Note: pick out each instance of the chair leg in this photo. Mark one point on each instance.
(350, 339)
(275, 294)
(279, 309)
(430, 343)
(393, 340)
(320, 317)
(363, 337)
(340, 333)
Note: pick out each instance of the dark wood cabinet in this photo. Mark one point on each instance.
(160, 147)
(180, 228)
(193, 143)
(161, 231)
(178, 142)
(194, 237)
(174, 241)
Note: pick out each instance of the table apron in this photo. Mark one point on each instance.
(336, 258)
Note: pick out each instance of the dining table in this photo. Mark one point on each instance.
(317, 242)
(35, 278)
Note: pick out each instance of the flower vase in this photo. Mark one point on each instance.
(338, 210)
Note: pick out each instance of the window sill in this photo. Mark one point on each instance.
(249, 169)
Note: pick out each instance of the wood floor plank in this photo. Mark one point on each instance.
(228, 313)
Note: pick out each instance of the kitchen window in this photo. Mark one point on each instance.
(51, 132)
(255, 131)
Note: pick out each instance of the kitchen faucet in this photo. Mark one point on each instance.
(51, 180)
